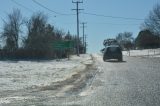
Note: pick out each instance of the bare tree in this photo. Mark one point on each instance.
(125, 40)
(12, 29)
(152, 22)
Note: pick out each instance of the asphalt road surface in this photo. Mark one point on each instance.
(133, 82)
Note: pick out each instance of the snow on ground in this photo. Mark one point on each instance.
(145, 52)
(16, 75)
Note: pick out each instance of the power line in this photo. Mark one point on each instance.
(58, 13)
(107, 16)
(101, 23)
(116, 24)
(21, 5)
(87, 13)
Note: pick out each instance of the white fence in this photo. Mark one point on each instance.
(145, 52)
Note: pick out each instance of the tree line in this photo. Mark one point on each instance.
(149, 35)
(33, 38)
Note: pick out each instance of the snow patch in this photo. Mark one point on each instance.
(19, 75)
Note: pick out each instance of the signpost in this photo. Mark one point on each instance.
(63, 45)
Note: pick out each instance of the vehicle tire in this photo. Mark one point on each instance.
(120, 59)
(104, 59)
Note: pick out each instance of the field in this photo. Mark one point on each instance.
(21, 80)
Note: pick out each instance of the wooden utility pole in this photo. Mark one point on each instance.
(77, 11)
(83, 26)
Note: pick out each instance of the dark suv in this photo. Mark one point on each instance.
(112, 52)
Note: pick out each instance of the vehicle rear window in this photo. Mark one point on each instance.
(114, 49)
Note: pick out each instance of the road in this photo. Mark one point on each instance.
(133, 82)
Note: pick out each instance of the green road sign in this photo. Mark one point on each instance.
(63, 44)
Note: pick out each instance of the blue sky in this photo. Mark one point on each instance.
(98, 28)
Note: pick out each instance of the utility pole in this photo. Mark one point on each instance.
(85, 40)
(83, 26)
(77, 11)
